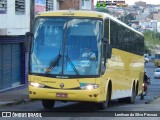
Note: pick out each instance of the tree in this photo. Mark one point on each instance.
(127, 18)
(152, 40)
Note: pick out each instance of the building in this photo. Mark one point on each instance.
(154, 25)
(142, 16)
(14, 16)
(76, 4)
(86, 4)
(157, 7)
(52, 5)
(69, 4)
(156, 16)
(145, 25)
(14, 23)
(140, 3)
(158, 27)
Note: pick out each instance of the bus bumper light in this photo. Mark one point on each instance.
(36, 85)
(90, 87)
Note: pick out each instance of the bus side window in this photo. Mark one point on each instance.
(105, 39)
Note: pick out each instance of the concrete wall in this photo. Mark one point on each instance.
(55, 5)
(69, 4)
(154, 25)
(13, 24)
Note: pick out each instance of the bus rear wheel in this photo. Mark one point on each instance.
(131, 99)
(48, 104)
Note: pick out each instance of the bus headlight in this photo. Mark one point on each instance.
(36, 85)
(89, 87)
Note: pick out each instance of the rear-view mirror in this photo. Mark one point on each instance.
(28, 38)
(28, 35)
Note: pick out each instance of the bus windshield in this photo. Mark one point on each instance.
(66, 46)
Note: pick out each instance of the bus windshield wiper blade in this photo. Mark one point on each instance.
(72, 65)
(53, 64)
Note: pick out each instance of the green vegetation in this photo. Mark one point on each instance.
(127, 18)
(152, 41)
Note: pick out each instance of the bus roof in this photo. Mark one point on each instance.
(83, 13)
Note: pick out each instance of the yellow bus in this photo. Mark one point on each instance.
(157, 60)
(84, 56)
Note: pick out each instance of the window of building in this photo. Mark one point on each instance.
(49, 5)
(19, 6)
(3, 6)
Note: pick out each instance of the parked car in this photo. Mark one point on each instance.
(146, 59)
(157, 73)
(151, 58)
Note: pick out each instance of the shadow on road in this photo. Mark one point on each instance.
(84, 107)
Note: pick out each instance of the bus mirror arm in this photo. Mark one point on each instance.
(103, 70)
(105, 40)
(108, 52)
(28, 35)
(28, 38)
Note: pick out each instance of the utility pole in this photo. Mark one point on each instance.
(32, 14)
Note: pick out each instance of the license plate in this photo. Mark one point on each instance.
(62, 95)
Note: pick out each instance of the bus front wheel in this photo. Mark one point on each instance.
(48, 104)
(103, 105)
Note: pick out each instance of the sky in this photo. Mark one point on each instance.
(131, 2)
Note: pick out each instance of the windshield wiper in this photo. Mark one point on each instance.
(72, 65)
(53, 63)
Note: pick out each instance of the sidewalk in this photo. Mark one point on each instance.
(156, 101)
(14, 96)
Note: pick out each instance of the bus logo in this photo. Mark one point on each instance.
(61, 85)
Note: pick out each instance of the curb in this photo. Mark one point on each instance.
(14, 88)
(150, 101)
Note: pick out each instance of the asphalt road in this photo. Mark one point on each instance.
(74, 110)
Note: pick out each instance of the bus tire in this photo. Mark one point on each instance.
(121, 100)
(48, 104)
(104, 105)
(131, 99)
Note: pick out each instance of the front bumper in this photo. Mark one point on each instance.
(72, 95)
